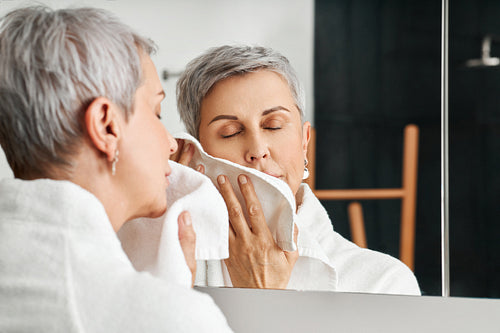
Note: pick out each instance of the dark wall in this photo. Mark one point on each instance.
(377, 68)
(474, 151)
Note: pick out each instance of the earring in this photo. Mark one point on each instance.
(306, 171)
(113, 164)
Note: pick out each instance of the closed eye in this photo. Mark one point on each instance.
(273, 123)
(230, 135)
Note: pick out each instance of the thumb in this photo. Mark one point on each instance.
(187, 239)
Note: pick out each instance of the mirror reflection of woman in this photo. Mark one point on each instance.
(245, 104)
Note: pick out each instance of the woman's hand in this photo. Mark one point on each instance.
(184, 154)
(255, 260)
(187, 238)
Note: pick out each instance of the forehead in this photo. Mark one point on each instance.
(150, 79)
(256, 90)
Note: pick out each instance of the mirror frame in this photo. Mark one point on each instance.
(445, 247)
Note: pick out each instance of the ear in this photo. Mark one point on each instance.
(102, 122)
(306, 136)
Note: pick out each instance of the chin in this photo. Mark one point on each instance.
(158, 208)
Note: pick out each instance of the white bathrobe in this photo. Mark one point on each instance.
(348, 268)
(62, 269)
(327, 261)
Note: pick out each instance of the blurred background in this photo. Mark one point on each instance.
(370, 67)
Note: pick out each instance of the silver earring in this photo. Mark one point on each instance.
(306, 171)
(113, 164)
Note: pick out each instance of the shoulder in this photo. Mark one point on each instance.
(364, 270)
(143, 303)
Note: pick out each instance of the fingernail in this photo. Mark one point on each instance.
(242, 179)
(186, 147)
(221, 179)
(186, 218)
(199, 168)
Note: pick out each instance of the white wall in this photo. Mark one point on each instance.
(183, 29)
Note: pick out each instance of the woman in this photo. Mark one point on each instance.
(245, 104)
(79, 124)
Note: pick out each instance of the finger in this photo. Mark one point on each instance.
(175, 156)
(254, 208)
(201, 169)
(236, 216)
(293, 256)
(232, 241)
(187, 239)
(232, 234)
(187, 153)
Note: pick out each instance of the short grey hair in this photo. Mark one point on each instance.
(53, 64)
(219, 63)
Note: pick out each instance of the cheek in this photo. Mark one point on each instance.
(296, 175)
(292, 160)
(165, 139)
(290, 147)
(227, 149)
(295, 166)
(152, 146)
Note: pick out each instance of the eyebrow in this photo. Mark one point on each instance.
(265, 112)
(276, 108)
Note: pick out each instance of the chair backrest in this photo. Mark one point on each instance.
(407, 193)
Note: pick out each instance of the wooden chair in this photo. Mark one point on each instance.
(407, 193)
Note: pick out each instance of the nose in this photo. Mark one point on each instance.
(257, 150)
(172, 143)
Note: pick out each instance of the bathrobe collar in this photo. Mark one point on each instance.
(314, 269)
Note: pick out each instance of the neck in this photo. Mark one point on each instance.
(92, 173)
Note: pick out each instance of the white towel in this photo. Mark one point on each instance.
(275, 196)
(153, 245)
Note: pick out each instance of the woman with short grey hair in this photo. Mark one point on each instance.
(245, 104)
(79, 124)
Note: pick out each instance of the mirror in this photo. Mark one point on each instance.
(361, 54)
(369, 68)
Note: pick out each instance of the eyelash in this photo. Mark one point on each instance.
(234, 134)
(159, 116)
(231, 135)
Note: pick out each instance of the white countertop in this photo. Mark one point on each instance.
(251, 310)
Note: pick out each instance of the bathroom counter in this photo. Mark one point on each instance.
(252, 310)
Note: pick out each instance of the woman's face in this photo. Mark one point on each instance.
(145, 149)
(252, 120)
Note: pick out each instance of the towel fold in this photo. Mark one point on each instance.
(153, 245)
(275, 196)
